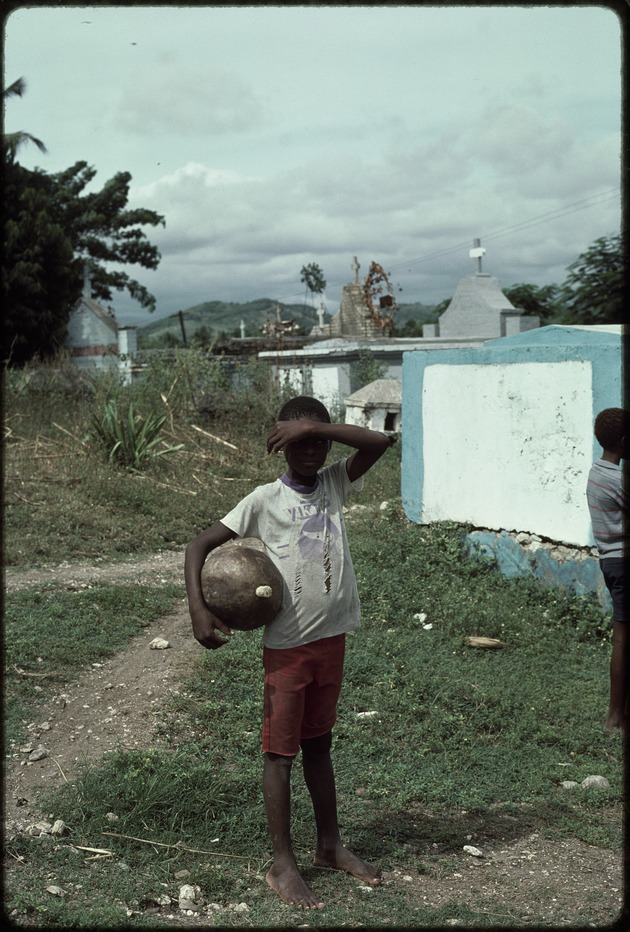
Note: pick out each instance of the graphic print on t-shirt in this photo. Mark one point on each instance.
(317, 543)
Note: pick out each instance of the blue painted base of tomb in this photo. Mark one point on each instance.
(580, 577)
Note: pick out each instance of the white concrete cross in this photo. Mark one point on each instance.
(320, 314)
(476, 253)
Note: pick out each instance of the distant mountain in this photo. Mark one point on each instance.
(419, 313)
(223, 318)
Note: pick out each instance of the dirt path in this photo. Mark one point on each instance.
(115, 704)
(118, 703)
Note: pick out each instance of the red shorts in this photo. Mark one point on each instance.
(302, 686)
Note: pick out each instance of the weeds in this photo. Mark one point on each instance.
(129, 439)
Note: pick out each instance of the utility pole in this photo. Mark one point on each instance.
(181, 324)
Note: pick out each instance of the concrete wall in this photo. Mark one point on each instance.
(329, 383)
(501, 437)
(323, 369)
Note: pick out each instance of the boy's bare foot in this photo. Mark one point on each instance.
(290, 887)
(342, 859)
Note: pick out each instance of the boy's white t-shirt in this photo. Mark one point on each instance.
(304, 532)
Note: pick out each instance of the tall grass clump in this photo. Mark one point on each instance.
(128, 439)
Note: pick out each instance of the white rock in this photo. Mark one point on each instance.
(264, 592)
(55, 890)
(569, 784)
(162, 899)
(420, 616)
(366, 715)
(159, 644)
(39, 828)
(595, 781)
(475, 852)
(59, 827)
(383, 506)
(189, 896)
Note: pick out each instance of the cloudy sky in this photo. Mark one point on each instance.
(270, 137)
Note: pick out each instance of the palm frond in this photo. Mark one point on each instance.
(14, 90)
(14, 141)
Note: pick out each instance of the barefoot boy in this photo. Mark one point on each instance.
(608, 505)
(299, 518)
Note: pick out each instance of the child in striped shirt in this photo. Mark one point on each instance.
(608, 506)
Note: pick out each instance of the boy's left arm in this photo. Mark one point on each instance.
(369, 445)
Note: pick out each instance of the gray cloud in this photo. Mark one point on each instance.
(271, 137)
(195, 102)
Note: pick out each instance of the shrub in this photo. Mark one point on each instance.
(128, 439)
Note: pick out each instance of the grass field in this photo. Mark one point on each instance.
(460, 738)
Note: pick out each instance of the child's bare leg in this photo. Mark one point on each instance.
(283, 875)
(320, 780)
(619, 677)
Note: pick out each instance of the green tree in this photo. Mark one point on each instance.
(51, 231)
(41, 279)
(313, 278)
(410, 328)
(102, 230)
(365, 369)
(202, 338)
(439, 309)
(594, 289)
(169, 341)
(544, 302)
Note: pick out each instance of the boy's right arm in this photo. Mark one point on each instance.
(204, 623)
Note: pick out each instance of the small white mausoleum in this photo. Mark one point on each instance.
(377, 405)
